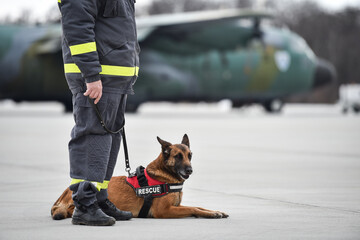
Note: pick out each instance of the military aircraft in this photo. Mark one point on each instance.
(198, 56)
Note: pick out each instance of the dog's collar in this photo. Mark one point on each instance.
(144, 185)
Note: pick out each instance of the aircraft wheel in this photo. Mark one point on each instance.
(237, 104)
(356, 109)
(273, 106)
(344, 110)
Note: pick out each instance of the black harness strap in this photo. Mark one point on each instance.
(140, 175)
(146, 206)
(147, 199)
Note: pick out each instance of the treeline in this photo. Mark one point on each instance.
(333, 36)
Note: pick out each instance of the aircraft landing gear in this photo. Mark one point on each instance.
(273, 106)
(356, 109)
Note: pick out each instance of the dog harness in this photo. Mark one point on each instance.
(149, 188)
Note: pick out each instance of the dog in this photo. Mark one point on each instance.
(172, 166)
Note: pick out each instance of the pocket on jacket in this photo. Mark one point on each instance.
(115, 8)
(105, 48)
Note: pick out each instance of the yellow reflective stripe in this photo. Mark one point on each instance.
(118, 70)
(106, 70)
(59, 1)
(75, 181)
(136, 71)
(83, 48)
(98, 185)
(71, 68)
(104, 185)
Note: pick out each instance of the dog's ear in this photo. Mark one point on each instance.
(185, 140)
(164, 146)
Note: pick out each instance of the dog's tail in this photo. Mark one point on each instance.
(63, 207)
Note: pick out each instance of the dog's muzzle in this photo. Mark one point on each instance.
(185, 174)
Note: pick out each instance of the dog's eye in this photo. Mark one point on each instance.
(179, 157)
(189, 156)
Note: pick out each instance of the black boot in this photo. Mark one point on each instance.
(110, 209)
(92, 216)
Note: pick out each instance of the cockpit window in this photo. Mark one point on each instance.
(298, 44)
(245, 22)
(273, 22)
(274, 38)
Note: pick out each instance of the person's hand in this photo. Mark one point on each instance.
(94, 90)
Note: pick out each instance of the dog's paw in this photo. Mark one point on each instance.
(210, 213)
(224, 215)
(221, 214)
(216, 215)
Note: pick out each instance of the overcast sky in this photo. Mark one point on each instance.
(39, 8)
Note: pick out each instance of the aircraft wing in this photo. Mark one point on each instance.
(146, 25)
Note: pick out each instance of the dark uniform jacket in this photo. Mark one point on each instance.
(100, 42)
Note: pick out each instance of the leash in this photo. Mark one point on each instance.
(120, 130)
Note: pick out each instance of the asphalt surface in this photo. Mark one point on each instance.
(289, 176)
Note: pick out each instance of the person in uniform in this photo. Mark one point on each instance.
(100, 53)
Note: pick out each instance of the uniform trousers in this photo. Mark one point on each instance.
(93, 151)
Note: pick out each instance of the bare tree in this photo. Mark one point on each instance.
(161, 6)
(53, 15)
(333, 36)
(244, 3)
(24, 17)
(171, 6)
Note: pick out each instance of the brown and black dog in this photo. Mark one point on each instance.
(173, 165)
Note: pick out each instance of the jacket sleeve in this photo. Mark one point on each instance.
(78, 21)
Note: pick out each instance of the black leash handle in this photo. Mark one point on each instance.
(121, 131)
(127, 162)
(98, 114)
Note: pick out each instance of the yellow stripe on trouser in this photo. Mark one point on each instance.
(59, 1)
(98, 185)
(83, 48)
(106, 70)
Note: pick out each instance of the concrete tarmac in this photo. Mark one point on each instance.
(289, 176)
